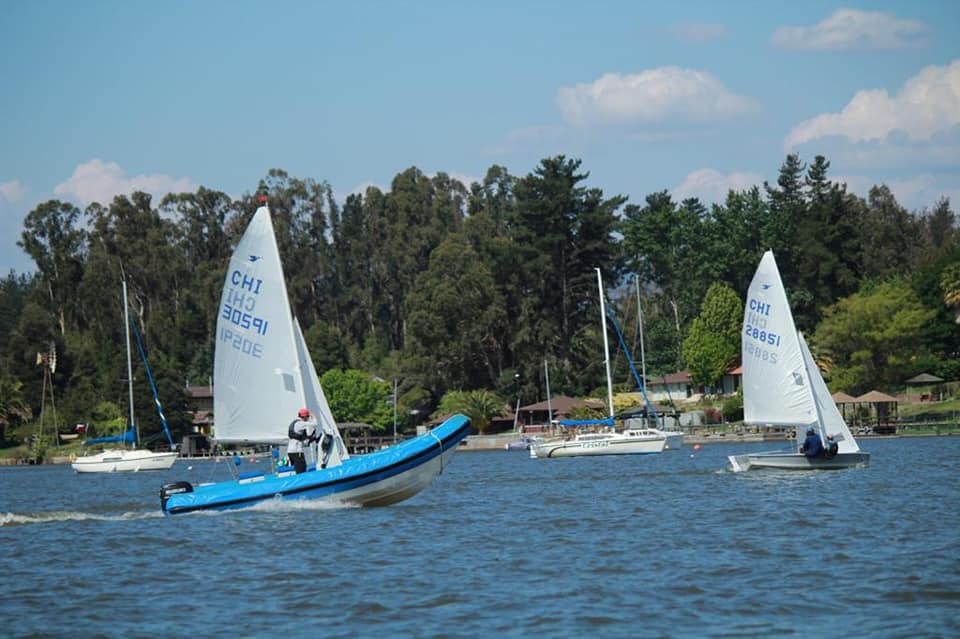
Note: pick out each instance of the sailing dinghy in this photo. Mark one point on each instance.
(782, 385)
(263, 375)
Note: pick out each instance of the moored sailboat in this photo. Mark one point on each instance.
(131, 459)
(632, 441)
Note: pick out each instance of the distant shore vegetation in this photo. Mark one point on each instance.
(449, 287)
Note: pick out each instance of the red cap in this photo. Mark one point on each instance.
(303, 412)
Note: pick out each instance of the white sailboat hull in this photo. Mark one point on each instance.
(615, 445)
(797, 461)
(118, 461)
(674, 439)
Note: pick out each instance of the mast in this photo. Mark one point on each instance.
(606, 346)
(126, 333)
(546, 373)
(643, 358)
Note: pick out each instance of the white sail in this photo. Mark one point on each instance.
(776, 387)
(831, 421)
(316, 401)
(258, 384)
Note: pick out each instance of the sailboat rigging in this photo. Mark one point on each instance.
(131, 459)
(632, 441)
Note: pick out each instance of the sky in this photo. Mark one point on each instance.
(102, 98)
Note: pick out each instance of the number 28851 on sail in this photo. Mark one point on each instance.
(765, 337)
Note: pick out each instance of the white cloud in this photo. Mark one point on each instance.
(654, 95)
(98, 181)
(698, 31)
(854, 30)
(712, 186)
(914, 192)
(929, 103)
(11, 191)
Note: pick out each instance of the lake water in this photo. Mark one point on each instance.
(501, 545)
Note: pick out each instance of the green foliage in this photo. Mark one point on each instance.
(479, 405)
(714, 338)
(448, 286)
(732, 408)
(355, 396)
(871, 336)
(13, 405)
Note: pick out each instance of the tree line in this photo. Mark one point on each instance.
(448, 287)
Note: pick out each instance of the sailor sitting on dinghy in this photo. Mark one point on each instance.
(812, 446)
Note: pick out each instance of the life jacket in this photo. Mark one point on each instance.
(293, 434)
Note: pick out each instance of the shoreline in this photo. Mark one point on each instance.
(500, 441)
(483, 443)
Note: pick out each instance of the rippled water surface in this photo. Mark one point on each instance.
(501, 545)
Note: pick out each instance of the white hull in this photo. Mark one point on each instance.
(610, 444)
(398, 487)
(796, 461)
(118, 461)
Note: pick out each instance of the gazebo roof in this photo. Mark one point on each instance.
(876, 397)
(842, 398)
(924, 378)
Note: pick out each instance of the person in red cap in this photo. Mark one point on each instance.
(300, 432)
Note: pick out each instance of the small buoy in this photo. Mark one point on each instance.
(696, 446)
(189, 467)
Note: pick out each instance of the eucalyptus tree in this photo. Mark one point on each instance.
(455, 321)
(828, 256)
(53, 239)
(562, 231)
(667, 246)
(735, 232)
(358, 268)
(300, 210)
(891, 235)
(421, 212)
(940, 224)
(130, 239)
(205, 243)
(489, 230)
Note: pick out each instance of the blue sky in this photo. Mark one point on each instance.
(101, 98)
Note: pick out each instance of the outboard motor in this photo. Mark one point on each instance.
(175, 488)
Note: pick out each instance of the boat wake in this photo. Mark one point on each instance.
(53, 516)
(296, 505)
